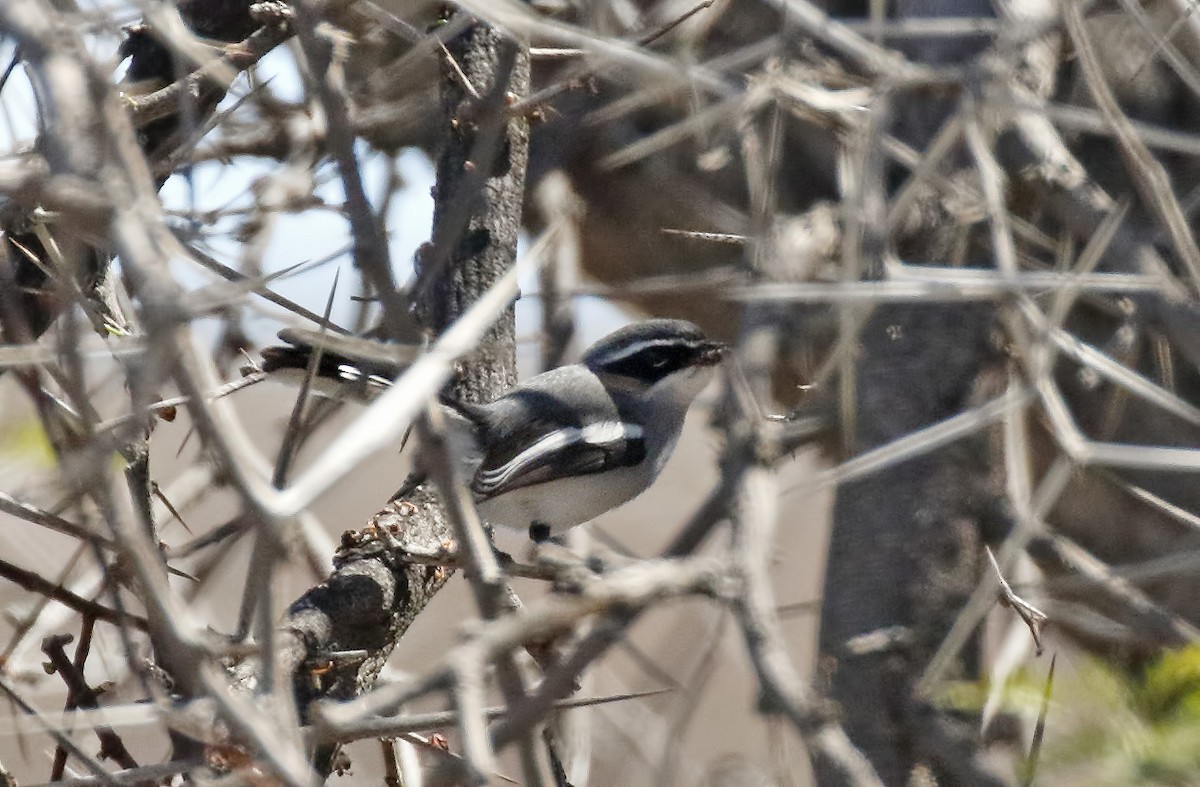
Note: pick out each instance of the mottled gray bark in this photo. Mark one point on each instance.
(375, 593)
(905, 550)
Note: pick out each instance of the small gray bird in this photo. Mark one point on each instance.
(571, 443)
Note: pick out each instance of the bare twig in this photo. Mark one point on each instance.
(80, 694)
(1151, 180)
(1034, 618)
(35, 583)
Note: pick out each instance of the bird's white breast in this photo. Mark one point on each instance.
(566, 502)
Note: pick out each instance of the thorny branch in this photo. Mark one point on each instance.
(887, 304)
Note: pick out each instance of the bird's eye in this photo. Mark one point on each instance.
(658, 360)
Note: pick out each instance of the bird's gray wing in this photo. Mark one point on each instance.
(565, 451)
(561, 423)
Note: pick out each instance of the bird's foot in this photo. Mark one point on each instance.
(503, 558)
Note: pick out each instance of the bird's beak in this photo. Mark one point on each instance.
(712, 353)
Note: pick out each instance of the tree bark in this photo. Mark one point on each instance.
(906, 547)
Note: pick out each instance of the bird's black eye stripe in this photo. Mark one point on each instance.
(650, 361)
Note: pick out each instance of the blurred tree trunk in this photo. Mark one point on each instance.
(905, 549)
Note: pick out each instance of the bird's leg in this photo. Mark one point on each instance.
(539, 532)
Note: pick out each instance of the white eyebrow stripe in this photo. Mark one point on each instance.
(640, 346)
(555, 442)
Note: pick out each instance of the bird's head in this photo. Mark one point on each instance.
(661, 358)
